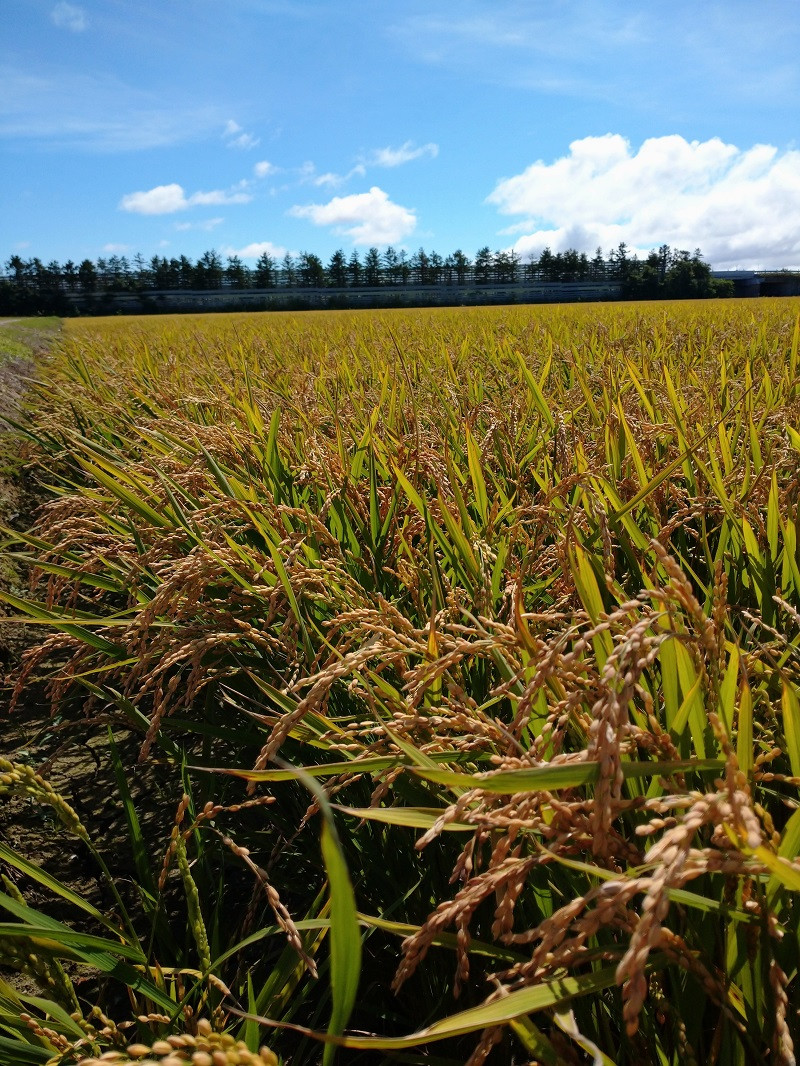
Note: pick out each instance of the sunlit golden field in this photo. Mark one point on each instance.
(454, 658)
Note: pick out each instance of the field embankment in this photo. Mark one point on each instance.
(22, 341)
(462, 650)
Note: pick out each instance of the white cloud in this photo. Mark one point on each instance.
(162, 200)
(236, 137)
(378, 157)
(218, 196)
(256, 249)
(741, 207)
(367, 217)
(264, 169)
(69, 17)
(245, 141)
(334, 180)
(167, 199)
(97, 112)
(648, 58)
(395, 157)
(116, 249)
(207, 224)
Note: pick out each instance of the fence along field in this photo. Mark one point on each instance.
(460, 652)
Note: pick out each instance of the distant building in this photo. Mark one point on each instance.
(762, 282)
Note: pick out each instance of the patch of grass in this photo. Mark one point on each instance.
(28, 332)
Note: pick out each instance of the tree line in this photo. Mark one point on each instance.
(31, 286)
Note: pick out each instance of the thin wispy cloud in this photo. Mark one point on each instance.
(333, 180)
(378, 157)
(561, 30)
(366, 218)
(612, 52)
(406, 153)
(69, 17)
(741, 206)
(236, 137)
(95, 112)
(169, 199)
(206, 224)
(516, 38)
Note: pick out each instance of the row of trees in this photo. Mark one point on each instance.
(30, 285)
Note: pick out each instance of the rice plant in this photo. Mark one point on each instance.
(458, 653)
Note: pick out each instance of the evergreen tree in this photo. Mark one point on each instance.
(436, 268)
(266, 271)
(185, 272)
(337, 270)
(390, 266)
(461, 265)
(597, 269)
(354, 270)
(288, 271)
(70, 275)
(483, 265)
(372, 267)
(547, 266)
(209, 270)
(87, 276)
(420, 265)
(312, 272)
(236, 274)
(140, 276)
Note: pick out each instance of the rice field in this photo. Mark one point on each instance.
(446, 665)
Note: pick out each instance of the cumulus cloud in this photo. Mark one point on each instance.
(236, 137)
(69, 17)
(162, 200)
(264, 169)
(740, 206)
(167, 199)
(366, 217)
(256, 249)
(395, 157)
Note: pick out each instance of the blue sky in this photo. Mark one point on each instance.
(175, 126)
